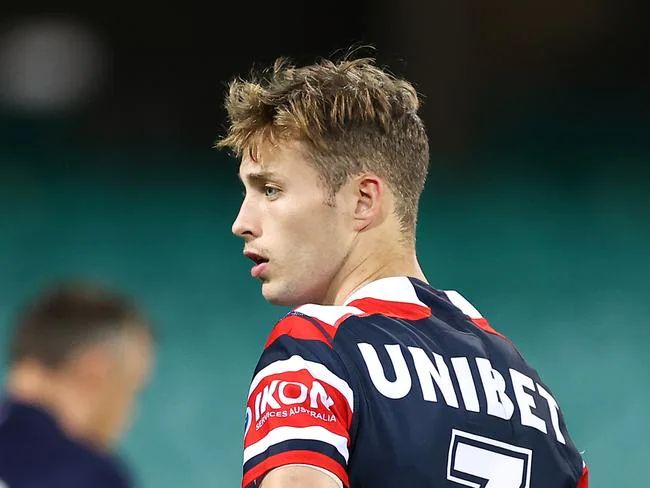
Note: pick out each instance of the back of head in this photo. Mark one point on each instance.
(351, 115)
(68, 317)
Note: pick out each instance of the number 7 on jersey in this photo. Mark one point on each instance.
(481, 462)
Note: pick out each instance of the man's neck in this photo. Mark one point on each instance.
(34, 385)
(373, 266)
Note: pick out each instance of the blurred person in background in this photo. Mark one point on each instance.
(78, 358)
(376, 379)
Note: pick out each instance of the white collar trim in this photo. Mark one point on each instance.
(391, 289)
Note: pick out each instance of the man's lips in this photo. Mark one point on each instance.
(258, 269)
(260, 261)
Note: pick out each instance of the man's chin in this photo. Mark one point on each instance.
(275, 297)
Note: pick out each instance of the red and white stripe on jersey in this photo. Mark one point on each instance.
(297, 400)
(308, 433)
(297, 326)
(468, 309)
(301, 328)
(301, 457)
(584, 479)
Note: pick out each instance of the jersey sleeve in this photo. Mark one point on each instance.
(300, 404)
(584, 479)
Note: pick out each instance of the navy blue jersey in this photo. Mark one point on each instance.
(404, 385)
(35, 453)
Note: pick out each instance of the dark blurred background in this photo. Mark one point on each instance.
(537, 207)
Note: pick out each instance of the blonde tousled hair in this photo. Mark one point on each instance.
(352, 116)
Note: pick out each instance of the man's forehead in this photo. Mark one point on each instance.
(268, 159)
(255, 169)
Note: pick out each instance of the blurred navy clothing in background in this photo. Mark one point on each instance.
(36, 453)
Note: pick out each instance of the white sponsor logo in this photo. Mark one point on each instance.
(279, 394)
(434, 377)
(318, 372)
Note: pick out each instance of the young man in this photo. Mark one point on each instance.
(376, 379)
(78, 357)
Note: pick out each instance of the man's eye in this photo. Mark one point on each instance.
(271, 191)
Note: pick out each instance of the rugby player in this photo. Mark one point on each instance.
(375, 378)
(78, 357)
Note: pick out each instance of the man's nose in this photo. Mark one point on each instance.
(244, 225)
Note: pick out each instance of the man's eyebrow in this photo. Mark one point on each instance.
(259, 176)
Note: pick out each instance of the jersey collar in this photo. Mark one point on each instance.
(394, 296)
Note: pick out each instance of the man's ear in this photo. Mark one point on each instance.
(369, 205)
(92, 366)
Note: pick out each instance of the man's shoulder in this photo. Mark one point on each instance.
(312, 322)
(69, 466)
(35, 448)
(102, 470)
(96, 472)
